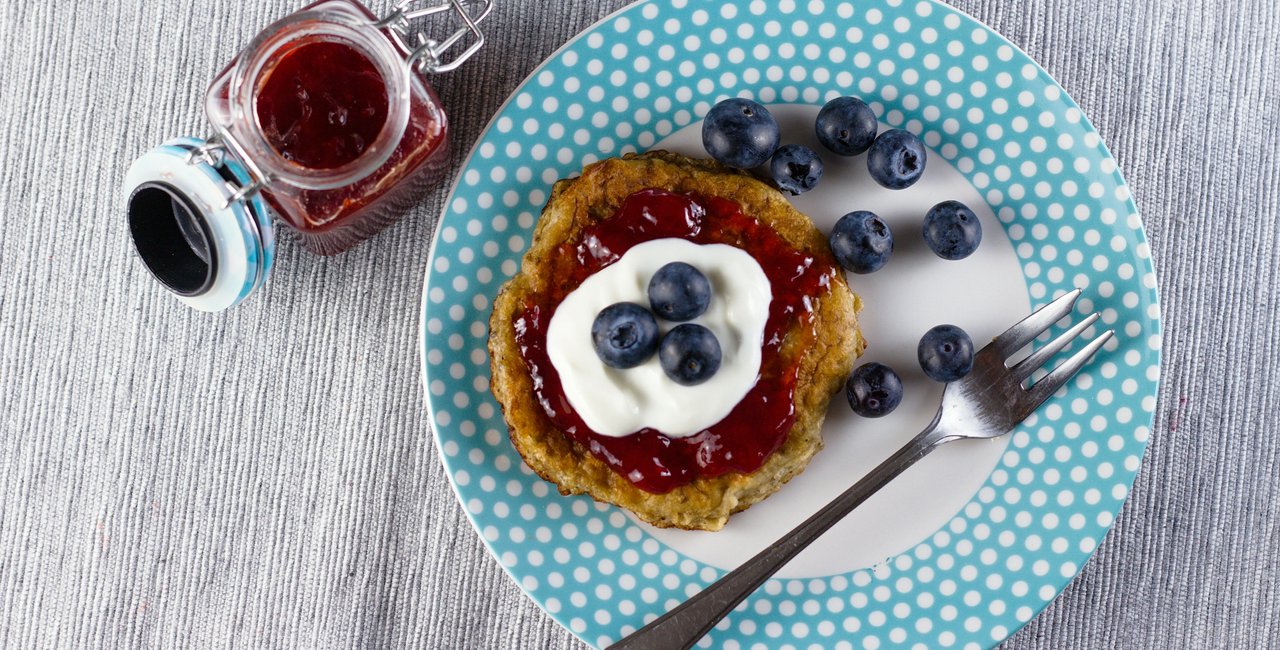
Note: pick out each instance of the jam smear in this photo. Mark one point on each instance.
(322, 104)
(759, 424)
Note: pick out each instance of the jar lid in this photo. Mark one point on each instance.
(197, 224)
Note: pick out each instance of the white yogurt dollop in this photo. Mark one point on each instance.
(615, 402)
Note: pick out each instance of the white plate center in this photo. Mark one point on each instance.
(916, 290)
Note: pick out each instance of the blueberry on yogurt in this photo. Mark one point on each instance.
(679, 292)
(625, 335)
(690, 354)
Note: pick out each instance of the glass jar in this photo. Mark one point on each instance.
(325, 120)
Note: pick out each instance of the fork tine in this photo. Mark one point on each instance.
(1051, 382)
(1030, 327)
(1024, 368)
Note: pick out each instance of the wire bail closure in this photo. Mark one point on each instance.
(425, 53)
(214, 151)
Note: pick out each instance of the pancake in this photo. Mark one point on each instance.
(824, 350)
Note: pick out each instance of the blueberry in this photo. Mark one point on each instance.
(946, 353)
(874, 390)
(861, 242)
(625, 334)
(846, 126)
(952, 230)
(690, 354)
(796, 169)
(896, 159)
(740, 133)
(679, 292)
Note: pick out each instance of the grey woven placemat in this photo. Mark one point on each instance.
(266, 477)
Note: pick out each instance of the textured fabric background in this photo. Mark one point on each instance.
(266, 477)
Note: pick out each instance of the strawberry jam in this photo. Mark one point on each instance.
(322, 105)
(759, 424)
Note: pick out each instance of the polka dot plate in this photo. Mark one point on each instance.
(964, 548)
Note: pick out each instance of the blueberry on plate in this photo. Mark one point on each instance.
(740, 133)
(796, 169)
(625, 334)
(690, 354)
(861, 242)
(873, 389)
(946, 353)
(952, 230)
(846, 126)
(896, 159)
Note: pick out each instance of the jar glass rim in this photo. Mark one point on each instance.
(266, 50)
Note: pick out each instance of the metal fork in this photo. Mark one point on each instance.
(987, 403)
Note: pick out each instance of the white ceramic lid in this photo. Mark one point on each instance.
(193, 228)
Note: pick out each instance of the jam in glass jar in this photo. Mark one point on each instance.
(325, 120)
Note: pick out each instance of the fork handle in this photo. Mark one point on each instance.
(688, 622)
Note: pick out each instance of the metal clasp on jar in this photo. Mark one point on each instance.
(426, 53)
(214, 151)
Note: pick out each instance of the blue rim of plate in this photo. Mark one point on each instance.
(977, 100)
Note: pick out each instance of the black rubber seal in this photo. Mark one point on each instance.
(172, 238)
